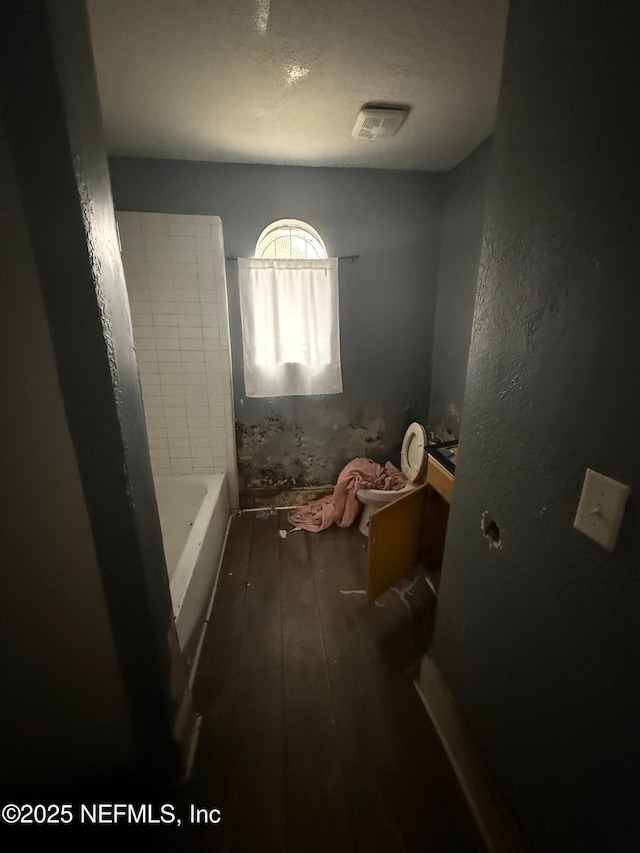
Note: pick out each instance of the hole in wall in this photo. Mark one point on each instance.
(490, 531)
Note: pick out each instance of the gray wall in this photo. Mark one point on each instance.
(462, 227)
(89, 660)
(387, 300)
(49, 644)
(538, 639)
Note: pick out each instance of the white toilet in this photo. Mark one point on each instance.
(413, 462)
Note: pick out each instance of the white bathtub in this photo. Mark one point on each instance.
(194, 516)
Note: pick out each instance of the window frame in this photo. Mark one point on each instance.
(305, 231)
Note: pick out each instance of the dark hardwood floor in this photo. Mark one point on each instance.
(313, 737)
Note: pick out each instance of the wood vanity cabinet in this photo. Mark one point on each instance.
(410, 531)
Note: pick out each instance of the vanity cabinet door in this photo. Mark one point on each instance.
(395, 536)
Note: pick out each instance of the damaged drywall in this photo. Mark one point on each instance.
(290, 451)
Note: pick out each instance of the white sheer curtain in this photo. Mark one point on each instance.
(290, 331)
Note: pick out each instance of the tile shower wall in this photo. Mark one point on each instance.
(175, 273)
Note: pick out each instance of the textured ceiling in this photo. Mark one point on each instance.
(282, 81)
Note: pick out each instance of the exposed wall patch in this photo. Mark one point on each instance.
(279, 451)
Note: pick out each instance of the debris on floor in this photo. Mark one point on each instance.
(284, 533)
(404, 590)
(432, 586)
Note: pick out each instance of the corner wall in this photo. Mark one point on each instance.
(538, 639)
(55, 634)
(460, 245)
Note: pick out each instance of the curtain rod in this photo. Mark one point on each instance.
(340, 258)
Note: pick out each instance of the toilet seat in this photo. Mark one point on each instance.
(413, 459)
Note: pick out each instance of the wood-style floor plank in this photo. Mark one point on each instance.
(232, 581)
(263, 578)
(317, 811)
(353, 548)
(367, 750)
(296, 571)
(262, 634)
(255, 811)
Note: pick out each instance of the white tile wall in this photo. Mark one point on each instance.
(175, 273)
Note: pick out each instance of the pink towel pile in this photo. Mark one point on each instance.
(342, 507)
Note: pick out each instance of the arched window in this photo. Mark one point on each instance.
(290, 314)
(290, 239)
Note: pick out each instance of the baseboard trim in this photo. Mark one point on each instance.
(278, 497)
(186, 730)
(492, 817)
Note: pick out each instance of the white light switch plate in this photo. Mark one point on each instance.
(601, 508)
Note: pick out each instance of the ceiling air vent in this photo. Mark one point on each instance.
(378, 123)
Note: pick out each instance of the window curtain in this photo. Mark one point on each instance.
(290, 331)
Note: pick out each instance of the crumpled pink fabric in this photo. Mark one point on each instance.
(343, 507)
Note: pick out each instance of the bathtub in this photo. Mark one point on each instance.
(194, 517)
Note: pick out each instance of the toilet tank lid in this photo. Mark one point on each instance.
(413, 456)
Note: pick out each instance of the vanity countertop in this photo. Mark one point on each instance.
(446, 454)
